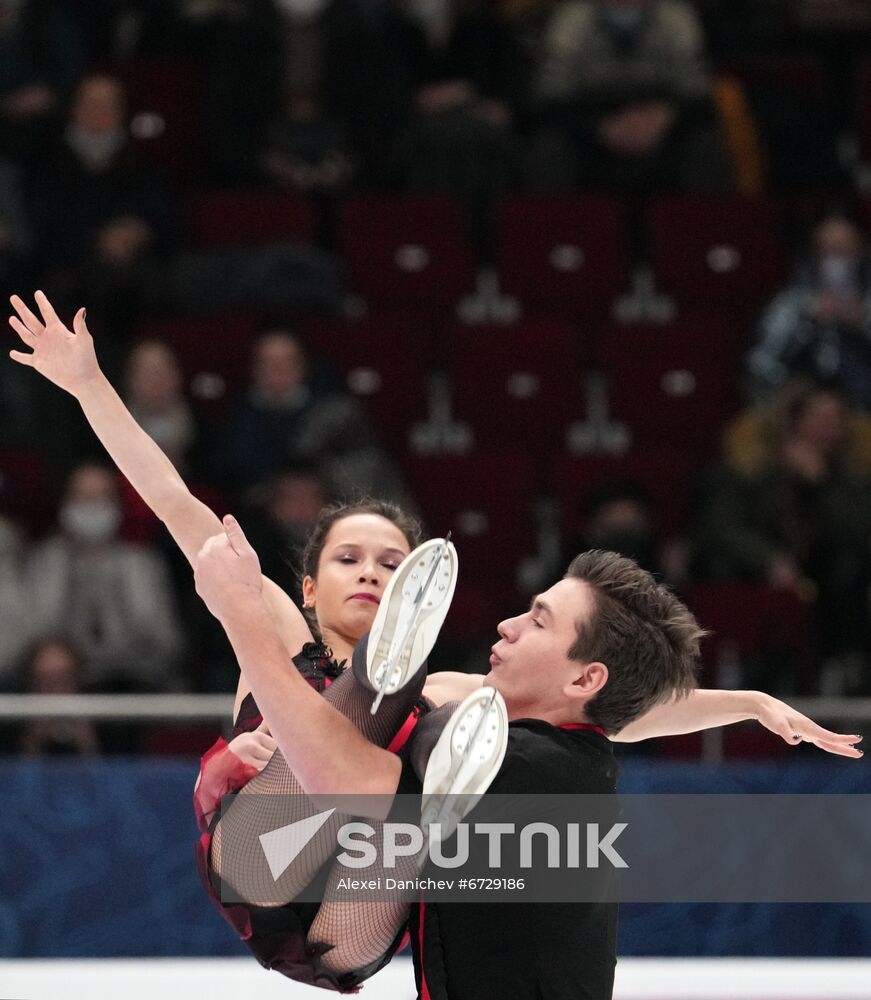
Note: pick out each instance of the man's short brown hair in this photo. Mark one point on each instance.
(645, 636)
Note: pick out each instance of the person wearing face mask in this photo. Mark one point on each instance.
(819, 326)
(620, 517)
(111, 598)
(621, 101)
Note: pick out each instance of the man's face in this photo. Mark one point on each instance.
(530, 665)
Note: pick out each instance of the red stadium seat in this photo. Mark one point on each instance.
(674, 386)
(228, 218)
(563, 256)
(765, 629)
(485, 500)
(25, 495)
(521, 384)
(407, 252)
(769, 627)
(722, 255)
(163, 97)
(664, 474)
(382, 361)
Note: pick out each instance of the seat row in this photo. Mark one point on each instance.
(538, 383)
(566, 256)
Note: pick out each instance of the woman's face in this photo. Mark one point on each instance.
(360, 554)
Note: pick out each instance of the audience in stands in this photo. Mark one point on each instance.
(291, 413)
(154, 395)
(476, 98)
(460, 139)
(103, 219)
(112, 598)
(42, 53)
(54, 667)
(620, 517)
(305, 149)
(820, 325)
(790, 505)
(13, 600)
(623, 98)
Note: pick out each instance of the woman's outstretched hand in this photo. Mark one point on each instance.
(64, 357)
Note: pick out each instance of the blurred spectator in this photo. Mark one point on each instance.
(153, 394)
(281, 520)
(305, 149)
(290, 414)
(110, 597)
(373, 57)
(791, 506)
(14, 633)
(42, 52)
(53, 667)
(619, 517)
(820, 324)
(460, 139)
(624, 98)
(237, 47)
(103, 220)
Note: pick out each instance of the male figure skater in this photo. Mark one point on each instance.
(593, 652)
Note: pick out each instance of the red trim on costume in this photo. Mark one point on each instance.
(221, 772)
(583, 725)
(400, 739)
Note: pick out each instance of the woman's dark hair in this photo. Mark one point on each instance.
(311, 554)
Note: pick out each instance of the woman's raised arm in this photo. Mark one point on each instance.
(68, 359)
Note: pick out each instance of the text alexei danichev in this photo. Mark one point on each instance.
(404, 884)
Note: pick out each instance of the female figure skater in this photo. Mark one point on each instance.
(351, 548)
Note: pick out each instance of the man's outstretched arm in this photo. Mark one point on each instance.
(708, 709)
(325, 751)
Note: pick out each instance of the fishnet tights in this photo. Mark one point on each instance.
(359, 933)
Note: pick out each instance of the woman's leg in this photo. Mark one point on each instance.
(359, 932)
(412, 610)
(471, 736)
(274, 798)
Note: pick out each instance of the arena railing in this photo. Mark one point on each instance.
(838, 713)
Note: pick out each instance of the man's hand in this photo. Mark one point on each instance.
(227, 572)
(795, 728)
(63, 357)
